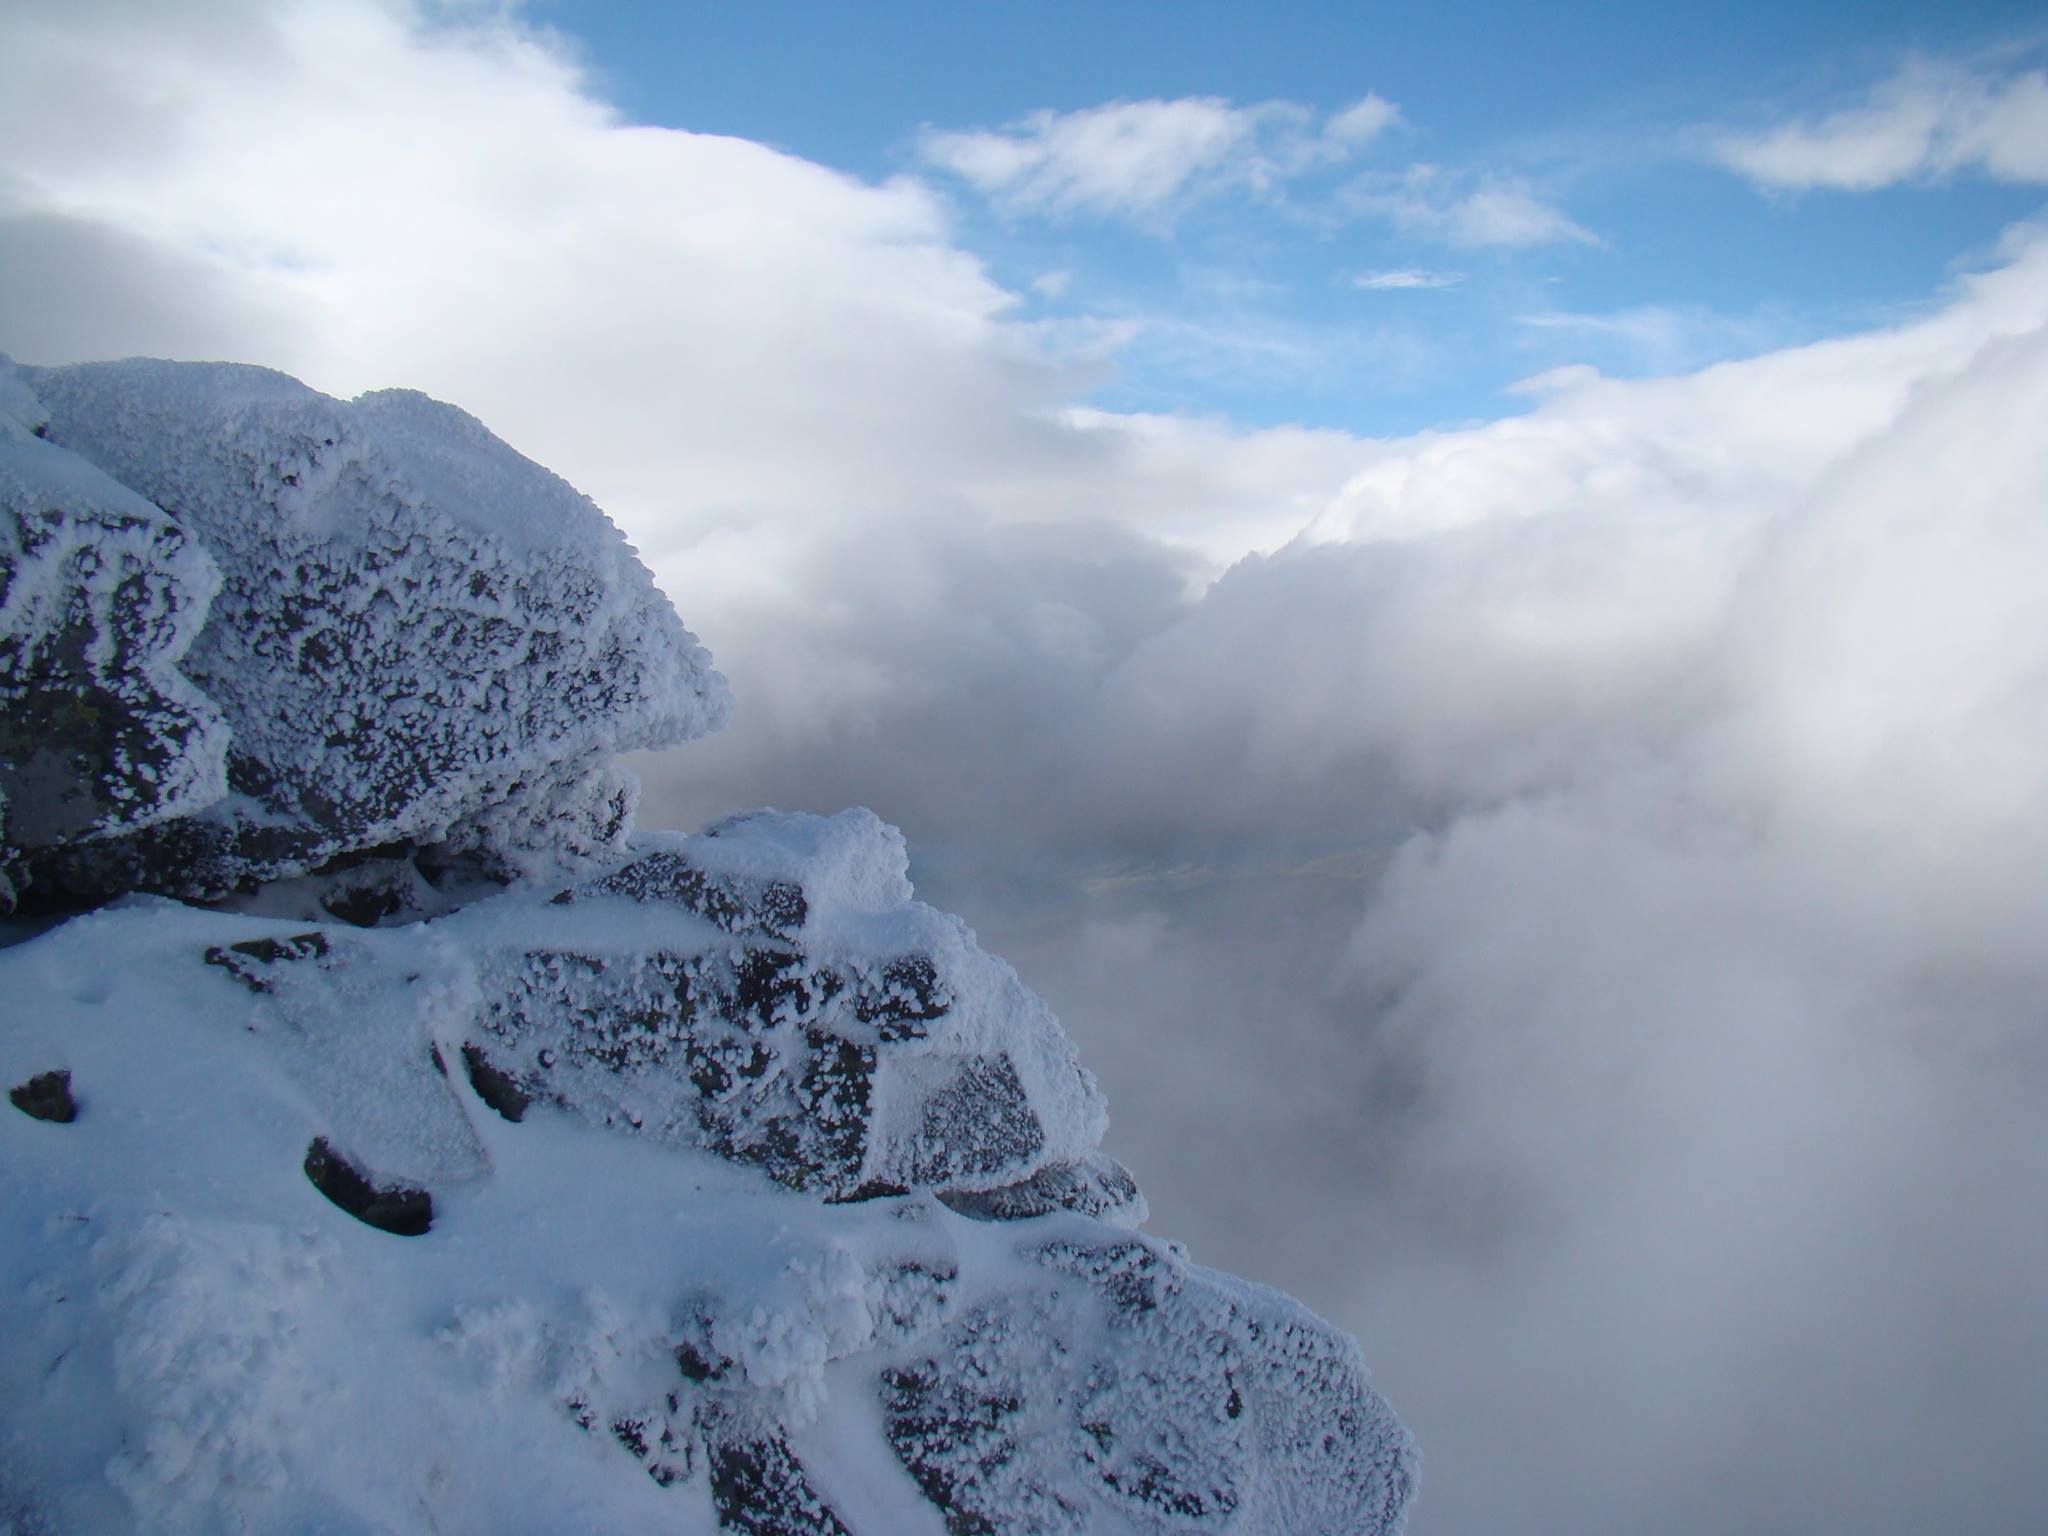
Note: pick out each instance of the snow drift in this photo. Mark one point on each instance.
(449, 1157)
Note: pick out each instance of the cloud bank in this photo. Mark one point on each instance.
(1562, 896)
(1586, 880)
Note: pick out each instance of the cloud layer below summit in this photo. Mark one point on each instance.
(1561, 895)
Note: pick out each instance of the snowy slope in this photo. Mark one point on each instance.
(580, 1180)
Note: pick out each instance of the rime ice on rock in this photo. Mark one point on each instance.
(421, 638)
(768, 991)
(1111, 1385)
(101, 596)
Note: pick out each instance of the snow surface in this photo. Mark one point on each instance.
(209, 1344)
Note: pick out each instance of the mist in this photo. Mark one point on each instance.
(1576, 924)
(1562, 896)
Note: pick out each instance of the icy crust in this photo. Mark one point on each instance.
(101, 597)
(420, 639)
(599, 1331)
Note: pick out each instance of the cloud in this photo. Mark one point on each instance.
(727, 346)
(1593, 865)
(1404, 278)
(1929, 122)
(1578, 877)
(1465, 209)
(1363, 121)
(1655, 338)
(1149, 160)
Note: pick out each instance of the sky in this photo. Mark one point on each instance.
(1529, 188)
(1458, 589)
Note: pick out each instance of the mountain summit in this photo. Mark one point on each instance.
(401, 1141)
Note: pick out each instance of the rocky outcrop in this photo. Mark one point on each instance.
(767, 991)
(739, 1190)
(391, 633)
(1114, 1386)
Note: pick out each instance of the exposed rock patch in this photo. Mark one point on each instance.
(46, 1096)
(398, 1209)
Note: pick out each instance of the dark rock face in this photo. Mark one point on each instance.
(396, 631)
(738, 904)
(495, 1088)
(758, 1487)
(250, 961)
(46, 1096)
(395, 1208)
(1097, 1185)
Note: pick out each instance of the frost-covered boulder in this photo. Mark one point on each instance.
(727, 1189)
(767, 991)
(101, 597)
(420, 638)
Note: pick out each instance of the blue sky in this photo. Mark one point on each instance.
(1344, 294)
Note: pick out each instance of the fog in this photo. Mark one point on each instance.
(1585, 940)
(1562, 896)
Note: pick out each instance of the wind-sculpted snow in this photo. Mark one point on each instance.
(420, 639)
(729, 1188)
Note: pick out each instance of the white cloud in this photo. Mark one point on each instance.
(1655, 338)
(1364, 120)
(1148, 160)
(1405, 277)
(1928, 122)
(1582, 875)
(1466, 209)
(1713, 979)
(1680, 743)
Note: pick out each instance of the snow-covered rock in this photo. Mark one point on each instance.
(420, 639)
(101, 597)
(767, 991)
(630, 1296)
(478, 1165)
